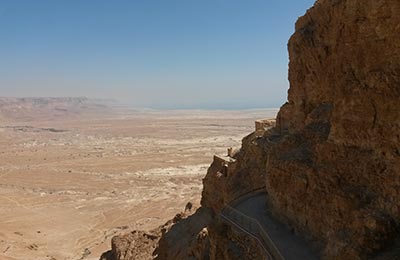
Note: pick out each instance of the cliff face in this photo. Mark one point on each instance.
(331, 166)
(229, 178)
(335, 173)
(332, 163)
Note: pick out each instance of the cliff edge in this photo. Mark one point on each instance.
(330, 168)
(335, 172)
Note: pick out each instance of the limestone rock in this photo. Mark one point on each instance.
(335, 173)
(183, 237)
(331, 166)
(187, 238)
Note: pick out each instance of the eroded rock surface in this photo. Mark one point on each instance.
(335, 173)
(183, 237)
(331, 166)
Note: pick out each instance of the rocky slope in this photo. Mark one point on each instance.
(183, 237)
(331, 166)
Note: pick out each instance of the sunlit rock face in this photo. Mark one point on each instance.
(331, 166)
(335, 172)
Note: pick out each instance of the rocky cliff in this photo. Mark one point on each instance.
(335, 171)
(331, 165)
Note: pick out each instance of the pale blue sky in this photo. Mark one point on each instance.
(149, 53)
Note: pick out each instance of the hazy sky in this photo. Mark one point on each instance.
(153, 53)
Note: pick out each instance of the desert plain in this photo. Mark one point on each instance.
(73, 177)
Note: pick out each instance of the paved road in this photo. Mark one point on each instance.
(290, 246)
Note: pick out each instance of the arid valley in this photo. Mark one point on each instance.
(73, 174)
(110, 148)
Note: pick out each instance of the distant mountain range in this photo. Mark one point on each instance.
(50, 108)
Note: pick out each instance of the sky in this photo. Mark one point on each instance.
(225, 54)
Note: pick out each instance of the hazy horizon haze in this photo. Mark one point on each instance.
(159, 54)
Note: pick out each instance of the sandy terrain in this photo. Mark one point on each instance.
(68, 185)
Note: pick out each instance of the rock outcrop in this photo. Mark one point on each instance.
(183, 237)
(331, 165)
(335, 172)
